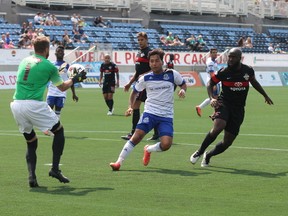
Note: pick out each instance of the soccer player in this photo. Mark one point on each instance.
(29, 109)
(141, 67)
(158, 109)
(170, 63)
(109, 70)
(211, 68)
(229, 106)
(55, 97)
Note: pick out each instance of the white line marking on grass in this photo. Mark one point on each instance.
(238, 147)
(2, 133)
(181, 133)
(50, 164)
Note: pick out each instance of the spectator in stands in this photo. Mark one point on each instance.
(82, 33)
(191, 42)
(77, 37)
(74, 20)
(55, 21)
(176, 42)
(31, 34)
(200, 43)
(81, 22)
(8, 40)
(48, 20)
(248, 43)
(99, 22)
(31, 26)
(170, 38)
(39, 33)
(2, 41)
(24, 41)
(23, 28)
(163, 40)
(241, 42)
(38, 19)
(278, 50)
(67, 42)
(271, 48)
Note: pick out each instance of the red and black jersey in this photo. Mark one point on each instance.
(235, 84)
(142, 62)
(109, 71)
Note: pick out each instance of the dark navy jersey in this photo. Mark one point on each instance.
(109, 71)
(235, 84)
(142, 62)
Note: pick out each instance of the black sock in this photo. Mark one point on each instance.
(57, 148)
(218, 149)
(206, 142)
(110, 104)
(135, 119)
(31, 157)
(107, 103)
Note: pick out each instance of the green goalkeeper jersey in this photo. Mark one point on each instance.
(34, 72)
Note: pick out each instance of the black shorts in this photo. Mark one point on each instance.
(108, 88)
(233, 115)
(142, 96)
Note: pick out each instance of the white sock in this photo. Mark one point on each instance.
(154, 148)
(205, 103)
(127, 148)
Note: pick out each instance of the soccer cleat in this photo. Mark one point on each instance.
(153, 138)
(146, 157)
(33, 182)
(127, 137)
(205, 161)
(195, 157)
(115, 166)
(110, 112)
(58, 175)
(199, 111)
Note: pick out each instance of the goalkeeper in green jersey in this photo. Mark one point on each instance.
(30, 110)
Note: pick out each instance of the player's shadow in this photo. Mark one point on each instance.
(67, 190)
(169, 171)
(246, 172)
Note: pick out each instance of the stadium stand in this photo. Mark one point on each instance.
(122, 34)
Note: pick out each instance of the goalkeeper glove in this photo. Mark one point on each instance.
(79, 77)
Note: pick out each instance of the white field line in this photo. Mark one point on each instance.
(3, 132)
(16, 133)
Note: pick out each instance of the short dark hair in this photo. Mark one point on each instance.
(142, 34)
(60, 47)
(158, 52)
(213, 49)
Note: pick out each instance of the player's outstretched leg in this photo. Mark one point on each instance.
(146, 157)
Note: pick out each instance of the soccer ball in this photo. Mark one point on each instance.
(75, 69)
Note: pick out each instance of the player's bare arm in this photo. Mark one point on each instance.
(259, 88)
(182, 91)
(74, 96)
(213, 101)
(132, 100)
(117, 80)
(100, 79)
(128, 85)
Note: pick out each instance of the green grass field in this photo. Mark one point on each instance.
(250, 178)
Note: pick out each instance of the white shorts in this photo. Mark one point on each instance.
(30, 113)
